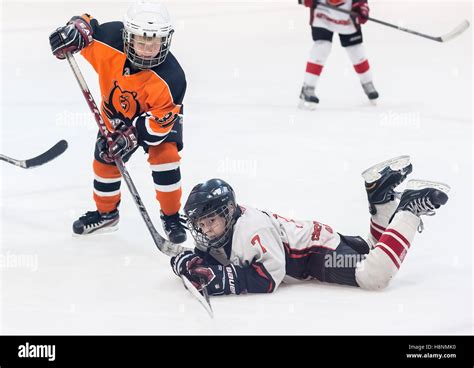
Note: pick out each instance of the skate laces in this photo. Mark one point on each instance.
(422, 206)
(95, 218)
(174, 222)
(90, 215)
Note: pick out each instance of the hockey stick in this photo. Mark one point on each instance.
(202, 298)
(444, 38)
(164, 245)
(47, 156)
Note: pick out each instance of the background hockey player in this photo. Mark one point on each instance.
(142, 86)
(324, 23)
(240, 249)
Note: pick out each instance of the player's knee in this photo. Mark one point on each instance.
(323, 45)
(104, 170)
(164, 153)
(375, 272)
(368, 282)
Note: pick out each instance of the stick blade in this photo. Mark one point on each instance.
(194, 292)
(47, 156)
(456, 31)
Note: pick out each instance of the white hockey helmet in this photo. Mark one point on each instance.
(147, 33)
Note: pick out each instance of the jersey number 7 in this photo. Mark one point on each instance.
(256, 239)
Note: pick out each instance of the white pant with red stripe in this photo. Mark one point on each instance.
(319, 54)
(390, 245)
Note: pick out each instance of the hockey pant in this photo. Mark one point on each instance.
(164, 160)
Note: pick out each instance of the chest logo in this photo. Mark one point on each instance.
(121, 105)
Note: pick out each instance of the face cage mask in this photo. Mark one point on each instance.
(202, 240)
(146, 63)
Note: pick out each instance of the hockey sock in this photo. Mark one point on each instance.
(379, 221)
(106, 186)
(359, 60)
(164, 162)
(317, 57)
(384, 261)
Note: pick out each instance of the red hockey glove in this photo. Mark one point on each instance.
(308, 3)
(362, 9)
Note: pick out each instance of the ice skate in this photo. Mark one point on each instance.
(308, 99)
(94, 222)
(381, 180)
(370, 91)
(174, 228)
(422, 198)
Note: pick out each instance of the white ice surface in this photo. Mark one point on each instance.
(244, 63)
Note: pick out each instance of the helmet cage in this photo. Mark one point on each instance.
(149, 38)
(201, 239)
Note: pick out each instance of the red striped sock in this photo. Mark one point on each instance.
(395, 245)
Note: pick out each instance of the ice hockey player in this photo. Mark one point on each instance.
(142, 86)
(240, 249)
(324, 23)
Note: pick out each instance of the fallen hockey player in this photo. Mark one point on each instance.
(240, 249)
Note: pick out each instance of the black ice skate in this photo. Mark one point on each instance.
(422, 197)
(94, 222)
(308, 99)
(383, 178)
(174, 228)
(370, 91)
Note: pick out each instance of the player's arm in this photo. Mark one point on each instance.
(165, 110)
(262, 275)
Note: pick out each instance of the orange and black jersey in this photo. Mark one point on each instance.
(149, 99)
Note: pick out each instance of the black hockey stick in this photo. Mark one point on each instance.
(203, 298)
(47, 156)
(444, 38)
(161, 243)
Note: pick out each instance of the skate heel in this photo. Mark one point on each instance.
(373, 173)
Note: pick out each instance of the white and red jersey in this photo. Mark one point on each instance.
(333, 20)
(275, 246)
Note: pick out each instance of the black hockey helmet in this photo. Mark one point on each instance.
(208, 199)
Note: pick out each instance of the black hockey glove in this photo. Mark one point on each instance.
(183, 263)
(72, 37)
(217, 279)
(117, 144)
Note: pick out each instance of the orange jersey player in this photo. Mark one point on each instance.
(142, 87)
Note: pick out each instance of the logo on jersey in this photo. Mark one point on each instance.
(336, 2)
(121, 105)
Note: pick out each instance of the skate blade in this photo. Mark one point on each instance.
(397, 163)
(373, 102)
(416, 184)
(103, 230)
(305, 105)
